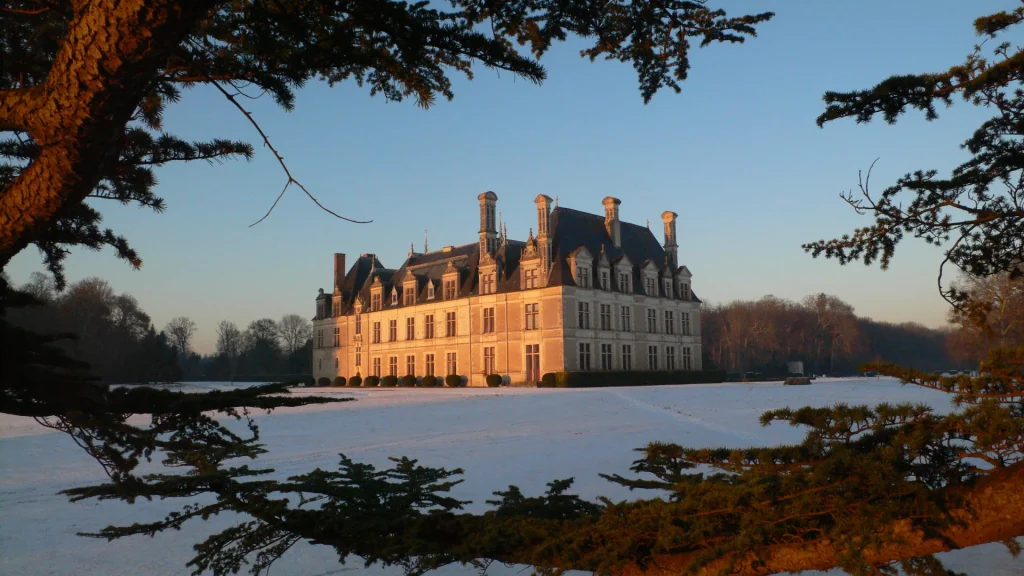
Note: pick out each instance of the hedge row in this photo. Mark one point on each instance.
(408, 381)
(632, 378)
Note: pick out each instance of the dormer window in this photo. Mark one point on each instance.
(684, 291)
(394, 297)
(375, 302)
(409, 292)
(449, 290)
(624, 282)
(604, 280)
(668, 287)
(430, 291)
(487, 283)
(651, 290)
(530, 279)
(583, 277)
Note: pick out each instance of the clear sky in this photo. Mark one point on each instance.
(737, 155)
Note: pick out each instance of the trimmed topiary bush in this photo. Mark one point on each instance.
(493, 380)
(453, 381)
(547, 380)
(407, 381)
(389, 381)
(562, 379)
(355, 381)
(339, 381)
(429, 382)
(371, 381)
(635, 378)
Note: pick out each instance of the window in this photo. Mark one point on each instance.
(376, 332)
(320, 339)
(320, 364)
(531, 316)
(652, 321)
(684, 291)
(532, 362)
(394, 296)
(687, 358)
(359, 356)
(627, 357)
(392, 330)
(449, 324)
(624, 282)
(359, 324)
(336, 309)
(627, 318)
(488, 320)
(487, 284)
(583, 309)
(652, 357)
(452, 363)
(670, 358)
(410, 294)
(606, 356)
(375, 302)
(531, 279)
(337, 337)
(393, 366)
(489, 360)
(604, 279)
(376, 367)
(685, 319)
(410, 364)
(670, 322)
(651, 290)
(449, 289)
(584, 356)
(583, 277)
(335, 363)
(428, 326)
(668, 287)
(430, 290)
(428, 369)
(606, 316)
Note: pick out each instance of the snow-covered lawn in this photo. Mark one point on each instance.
(521, 436)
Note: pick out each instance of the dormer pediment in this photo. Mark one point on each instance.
(581, 254)
(623, 263)
(602, 259)
(649, 267)
(684, 272)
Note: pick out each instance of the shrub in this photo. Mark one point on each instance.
(562, 379)
(429, 382)
(407, 381)
(339, 381)
(355, 381)
(453, 381)
(547, 381)
(371, 381)
(493, 380)
(389, 381)
(636, 378)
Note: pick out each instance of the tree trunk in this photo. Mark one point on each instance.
(104, 67)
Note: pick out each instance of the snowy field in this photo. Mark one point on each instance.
(521, 436)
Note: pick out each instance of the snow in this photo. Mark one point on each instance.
(503, 436)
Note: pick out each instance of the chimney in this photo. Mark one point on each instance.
(611, 220)
(488, 222)
(671, 248)
(339, 269)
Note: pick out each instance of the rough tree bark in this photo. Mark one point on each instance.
(78, 115)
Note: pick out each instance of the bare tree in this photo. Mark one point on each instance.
(180, 331)
(41, 286)
(295, 331)
(229, 344)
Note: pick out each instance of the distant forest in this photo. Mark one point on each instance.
(116, 337)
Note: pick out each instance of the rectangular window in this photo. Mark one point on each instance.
(670, 322)
(606, 356)
(668, 288)
(652, 357)
(376, 332)
(652, 321)
(336, 309)
(627, 318)
(410, 365)
(430, 290)
(604, 279)
(337, 337)
(393, 366)
(376, 367)
(428, 326)
(687, 358)
(452, 363)
(488, 320)
(410, 294)
(531, 316)
(392, 330)
(335, 363)
(449, 324)
(670, 358)
(428, 369)
(684, 291)
(583, 277)
(624, 282)
(410, 328)
(531, 279)
(685, 319)
(449, 289)
(394, 297)
(359, 324)
(583, 316)
(320, 364)
(319, 338)
(375, 302)
(532, 362)
(651, 287)
(359, 356)
(584, 356)
(489, 360)
(606, 316)
(627, 357)
(487, 284)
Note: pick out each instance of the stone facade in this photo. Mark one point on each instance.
(587, 293)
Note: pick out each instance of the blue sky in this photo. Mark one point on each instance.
(737, 155)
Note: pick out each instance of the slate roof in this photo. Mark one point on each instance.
(571, 230)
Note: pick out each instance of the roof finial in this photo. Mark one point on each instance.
(556, 200)
(648, 223)
(425, 249)
(412, 249)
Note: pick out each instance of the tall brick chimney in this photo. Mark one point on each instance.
(611, 220)
(339, 269)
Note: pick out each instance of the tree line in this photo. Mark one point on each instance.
(822, 331)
